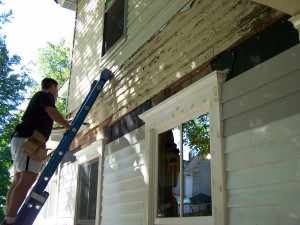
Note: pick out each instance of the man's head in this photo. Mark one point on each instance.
(49, 84)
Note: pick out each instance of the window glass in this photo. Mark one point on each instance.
(185, 192)
(87, 197)
(108, 3)
(114, 23)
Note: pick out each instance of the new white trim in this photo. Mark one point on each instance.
(201, 97)
(91, 152)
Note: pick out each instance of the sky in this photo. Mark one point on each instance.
(36, 22)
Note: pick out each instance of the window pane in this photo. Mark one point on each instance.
(88, 191)
(192, 196)
(83, 192)
(108, 3)
(93, 191)
(197, 175)
(113, 24)
(168, 175)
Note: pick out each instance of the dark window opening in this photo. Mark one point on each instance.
(114, 24)
(87, 198)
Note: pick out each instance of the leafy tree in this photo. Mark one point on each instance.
(54, 60)
(5, 16)
(5, 158)
(196, 135)
(14, 82)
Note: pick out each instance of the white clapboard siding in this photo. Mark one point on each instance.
(126, 208)
(274, 173)
(269, 92)
(67, 194)
(276, 215)
(285, 128)
(261, 118)
(269, 152)
(133, 219)
(123, 185)
(277, 194)
(273, 69)
(266, 92)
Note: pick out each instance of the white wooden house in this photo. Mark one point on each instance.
(237, 61)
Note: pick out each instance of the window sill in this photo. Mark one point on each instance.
(114, 49)
(206, 220)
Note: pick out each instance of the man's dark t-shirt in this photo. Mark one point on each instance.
(35, 116)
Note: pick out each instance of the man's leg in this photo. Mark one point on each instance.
(16, 180)
(18, 194)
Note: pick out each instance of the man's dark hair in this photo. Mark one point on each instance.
(48, 82)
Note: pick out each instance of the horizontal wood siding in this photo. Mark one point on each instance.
(271, 87)
(67, 194)
(87, 61)
(261, 118)
(162, 45)
(123, 187)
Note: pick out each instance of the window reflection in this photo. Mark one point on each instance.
(192, 195)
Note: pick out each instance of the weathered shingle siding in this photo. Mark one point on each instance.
(154, 56)
(261, 115)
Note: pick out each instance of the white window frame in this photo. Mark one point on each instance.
(91, 152)
(195, 100)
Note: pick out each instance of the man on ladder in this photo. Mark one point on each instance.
(37, 120)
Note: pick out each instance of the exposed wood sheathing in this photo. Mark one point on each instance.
(146, 63)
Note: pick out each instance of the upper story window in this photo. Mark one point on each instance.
(186, 169)
(114, 23)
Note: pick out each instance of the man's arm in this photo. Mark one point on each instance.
(57, 117)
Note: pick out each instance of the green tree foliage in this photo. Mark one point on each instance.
(54, 61)
(5, 158)
(5, 16)
(14, 81)
(196, 135)
(13, 84)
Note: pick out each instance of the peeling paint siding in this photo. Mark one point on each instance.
(174, 53)
(189, 40)
(79, 70)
